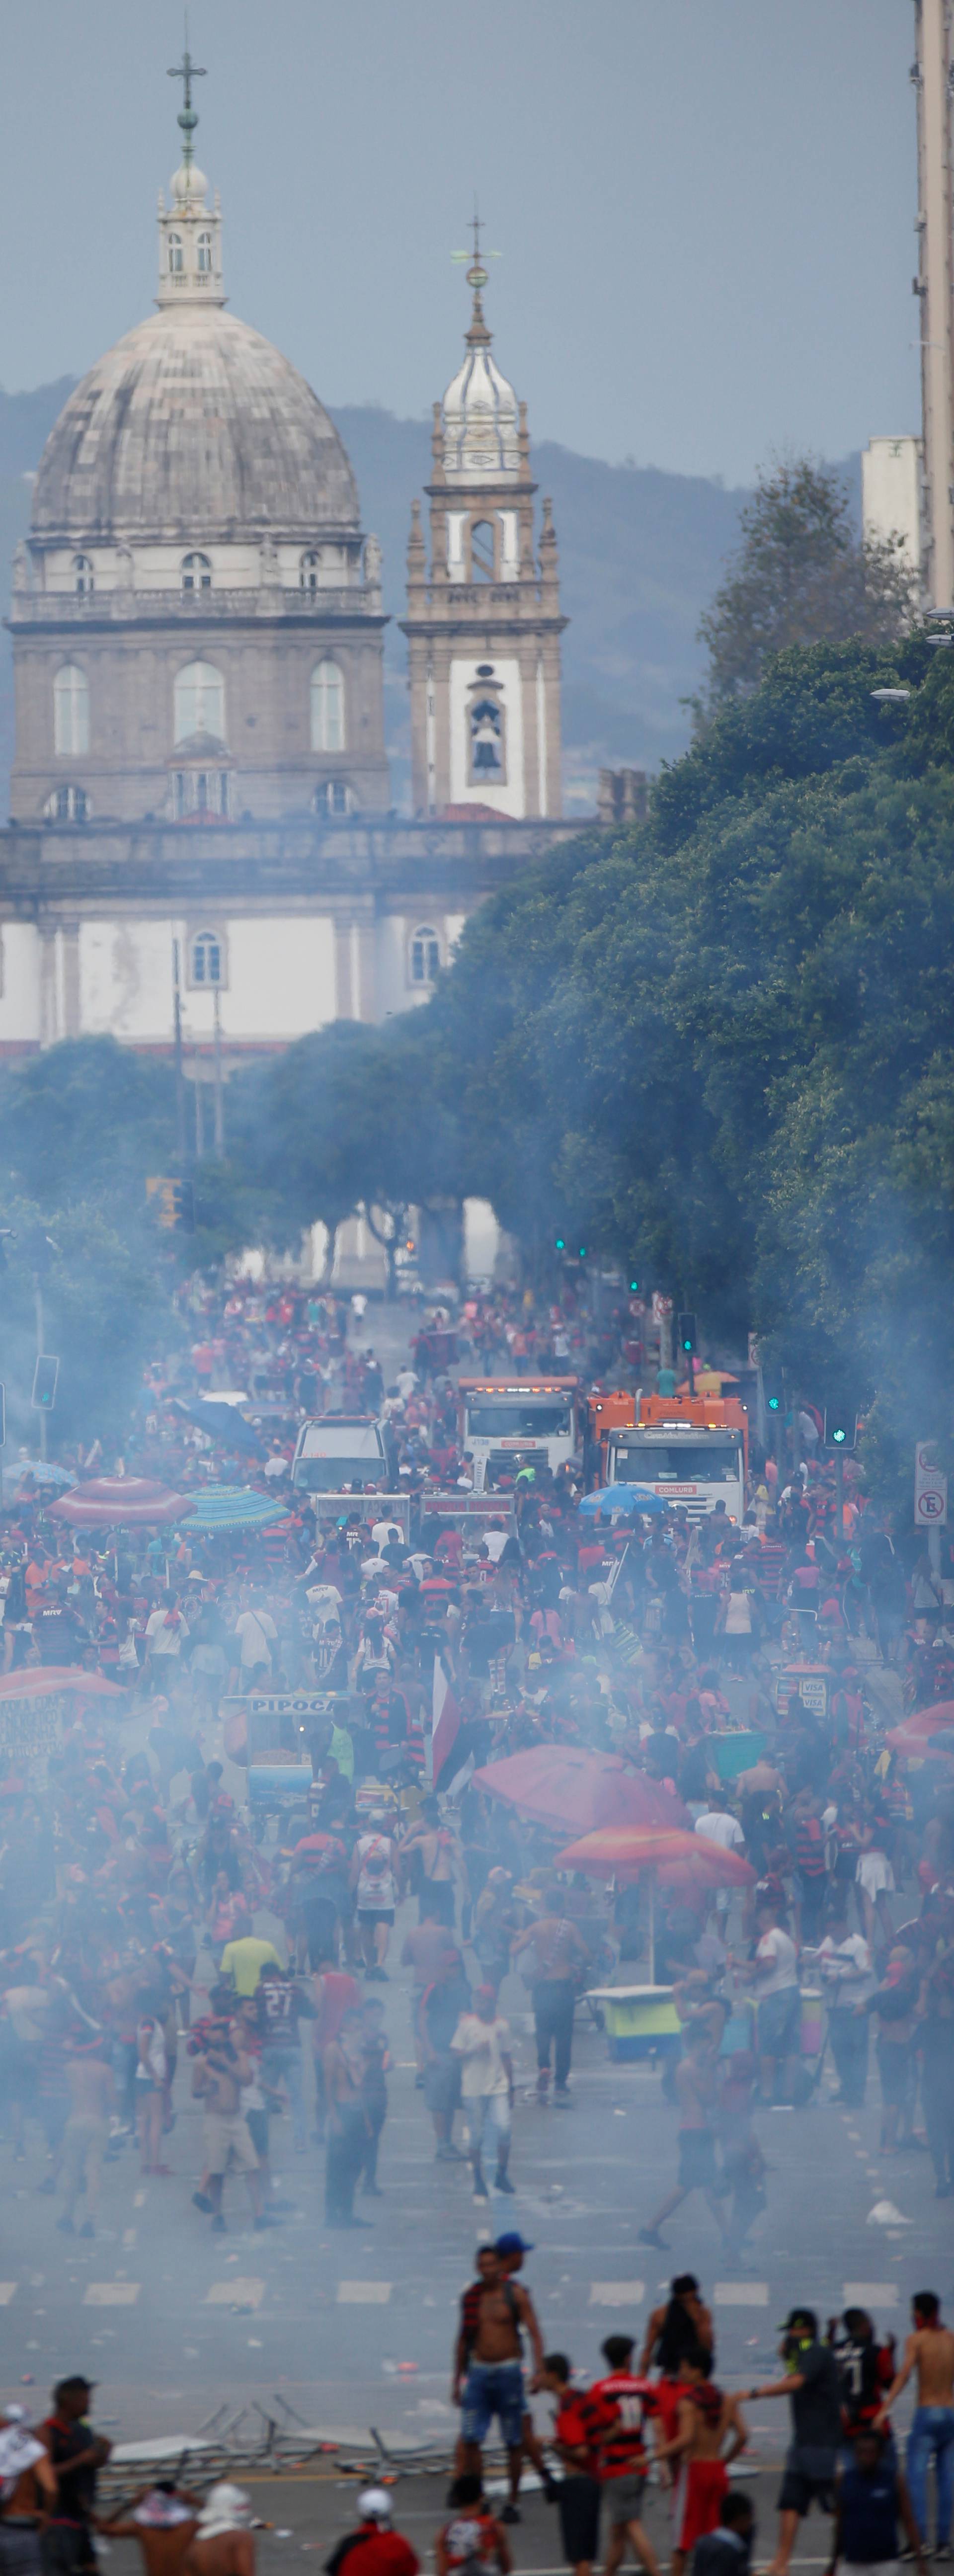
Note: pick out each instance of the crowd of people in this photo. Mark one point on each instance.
(150, 1915)
(655, 2415)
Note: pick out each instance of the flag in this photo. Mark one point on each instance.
(445, 1721)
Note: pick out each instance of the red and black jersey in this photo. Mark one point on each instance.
(614, 2412)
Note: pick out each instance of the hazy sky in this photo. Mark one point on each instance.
(705, 207)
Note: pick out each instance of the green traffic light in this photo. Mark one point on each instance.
(633, 1287)
(582, 1252)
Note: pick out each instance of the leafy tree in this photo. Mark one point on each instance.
(106, 1309)
(801, 575)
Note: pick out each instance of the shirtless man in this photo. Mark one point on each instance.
(217, 2079)
(929, 2353)
(494, 2382)
(89, 2076)
(695, 2082)
(28, 2487)
(164, 2519)
(439, 1859)
(224, 2544)
(708, 2422)
(683, 2325)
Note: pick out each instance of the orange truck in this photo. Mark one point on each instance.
(692, 1450)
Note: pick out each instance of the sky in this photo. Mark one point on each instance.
(704, 208)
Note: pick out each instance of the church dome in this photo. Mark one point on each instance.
(192, 429)
(480, 411)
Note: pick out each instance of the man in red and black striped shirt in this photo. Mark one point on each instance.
(613, 2414)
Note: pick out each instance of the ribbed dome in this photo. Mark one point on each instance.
(192, 429)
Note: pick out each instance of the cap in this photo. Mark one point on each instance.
(799, 2317)
(512, 2244)
(374, 2504)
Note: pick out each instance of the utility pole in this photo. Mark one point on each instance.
(180, 1076)
(217, 1075)
(933, 74)
(40, 1347)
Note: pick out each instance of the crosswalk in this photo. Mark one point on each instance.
(240, 2291)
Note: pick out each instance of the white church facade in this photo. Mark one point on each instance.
(200, 805)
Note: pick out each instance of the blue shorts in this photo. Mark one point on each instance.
(493, 2388)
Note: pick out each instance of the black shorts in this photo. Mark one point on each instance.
(375, 1914)
(799, 2490)
(579, 2508)
(697, 2164)
(436, 1898)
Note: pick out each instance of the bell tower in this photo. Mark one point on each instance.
(483, 621)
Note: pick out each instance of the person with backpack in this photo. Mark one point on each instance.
(472, 2540)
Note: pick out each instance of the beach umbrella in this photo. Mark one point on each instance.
(915, 1733)
(233, 1507)
(674, 1858)
(43, 1470)
(40, 1681)
(219, 1418)
(566, 1786)
(119, 1502)
(610, 1499)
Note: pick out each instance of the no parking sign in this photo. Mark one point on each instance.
(930, 1488)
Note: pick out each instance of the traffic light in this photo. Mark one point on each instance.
(841, 1426)
(773, 1403)
(634, 1287)
(582, 1252)
(174, 1203)
(560, 1244)
(45, 1375)
(687, 1334)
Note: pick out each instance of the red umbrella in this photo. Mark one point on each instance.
(675, 1858)
(39, 1681)
(120, 1502)
(913, 1736)
(566, 1786)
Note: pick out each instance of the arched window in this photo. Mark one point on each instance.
(199, 701)
(71, 711)
(196, 572)
(67, 805)
(198, 792)
(83, 581)
(203, 251)
(175, 254)
(308, 570)
(425, 956)
(335, 797)
(206, 959)
(482, 558)
(327, 708)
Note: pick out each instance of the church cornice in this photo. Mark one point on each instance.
(163, 611)
(119, 867)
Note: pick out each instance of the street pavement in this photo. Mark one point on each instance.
(355, 2330)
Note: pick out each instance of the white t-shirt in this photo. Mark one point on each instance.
(495, 1541)
(483, 2046)
(165, 1640)
(405, 1382)
(257, 1631)
(846, 1968)
(376, 1887)
(722, 1829)
(383, 1532)
(776, 1945)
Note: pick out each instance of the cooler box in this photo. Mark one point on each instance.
(731, 1754)
(810, 2035)
(739, 2031)
(639, 2020)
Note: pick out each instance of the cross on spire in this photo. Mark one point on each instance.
(187, 71)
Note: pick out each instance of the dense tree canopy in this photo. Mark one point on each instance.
(800, 575)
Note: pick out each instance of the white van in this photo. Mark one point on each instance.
(338, 1450)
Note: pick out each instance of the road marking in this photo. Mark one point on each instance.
(6, 2292)
(111, 2294)
(741, 2294)
(139, 2200)
(870, 2294)
(364, 2294)
(616, 2294)
(235, 2294)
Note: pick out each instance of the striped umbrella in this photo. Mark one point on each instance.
(234, 1507)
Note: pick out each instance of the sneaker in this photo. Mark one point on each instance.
(561, 2096)
(651, 2236)
(481, 2192)
(511, 2513)
(502, 2182)
(200, 2200)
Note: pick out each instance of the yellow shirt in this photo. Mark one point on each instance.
(244, 1960)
